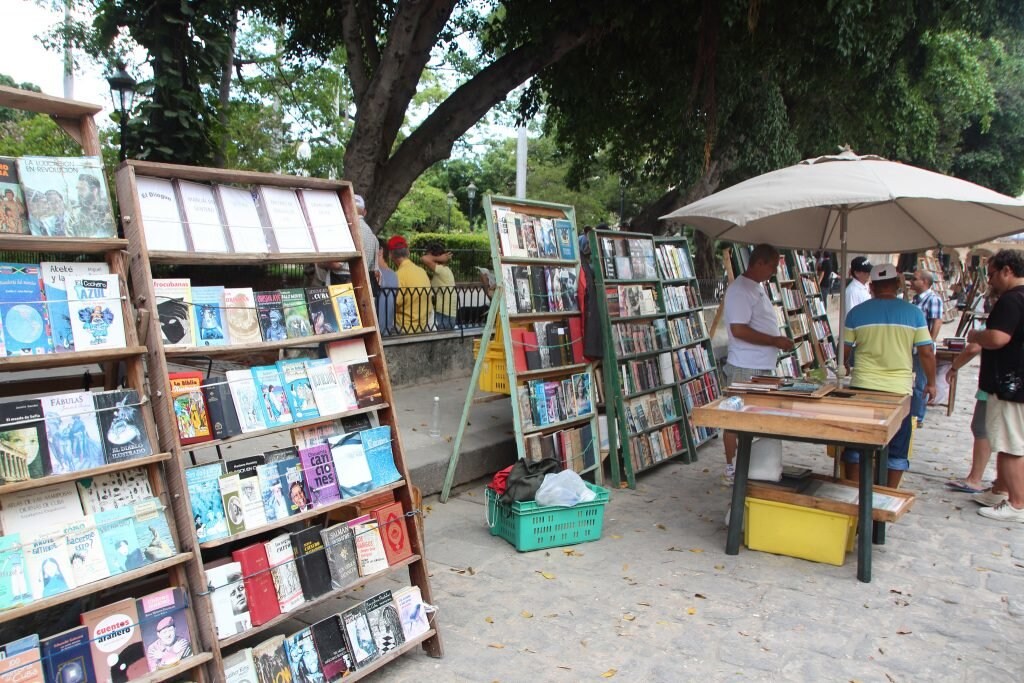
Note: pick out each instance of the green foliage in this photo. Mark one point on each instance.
(425, 209)
(36, 134)
(476, 240)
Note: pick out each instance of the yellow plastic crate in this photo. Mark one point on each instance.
(796, 531)
(493, 374)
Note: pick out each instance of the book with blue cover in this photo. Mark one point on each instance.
(293, 483)
(14, 589)
(152, 531)
(56, 277)
(72, 432)
(273, 401)
(26, 327)
(207, 507)
(208, 314)
(354, 476)
(566, 237)
(302, 657)
(120, 542)
(97, 317)
(379, 455)
(273, 489)
(297, 389)
(67, 657)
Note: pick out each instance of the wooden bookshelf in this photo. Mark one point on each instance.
(49, 480)
(236, 349)
(65, 360)
(172, 673)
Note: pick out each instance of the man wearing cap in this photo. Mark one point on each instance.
(337, 272)
(168, 648)
(412, 308)
(857, 291)
(884, 331)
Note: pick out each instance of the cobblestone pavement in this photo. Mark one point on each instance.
(657, 599)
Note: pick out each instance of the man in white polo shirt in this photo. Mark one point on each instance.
(754, 339)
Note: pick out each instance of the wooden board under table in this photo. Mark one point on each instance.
(782, 494)
(845, 416)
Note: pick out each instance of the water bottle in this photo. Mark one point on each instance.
(732, 403)
(435, 418)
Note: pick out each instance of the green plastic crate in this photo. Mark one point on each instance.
(529, 526)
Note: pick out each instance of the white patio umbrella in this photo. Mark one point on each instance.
(861, 203)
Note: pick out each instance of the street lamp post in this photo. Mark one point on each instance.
(471, 193)
(122, 94)
(451, 200)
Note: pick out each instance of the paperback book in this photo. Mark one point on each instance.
(294, 483)
(120, 540)
(273, 489)
(66, 196)
(394, 531)
(370, 554)
(13, 215)
(190, 413)
(221, 408)
(284, 215)
(199, 206)
(322, 315)
(88, 562)
(240, 667)
(379, 455)
(302, 657)
(14, 588)
(297, 389)
(208, 312)
(350, 465)
(227, 596)
(242, 219)
(165, 632)
(121, 425)
(411, 611)
(358, 636)
(270, 314)
(246, 400)
(97, 318)
(55, 278)
(270, 391)
(23, 319)
(344, 299)
(204, 496)
(243, 326)
(385, 622)
(67, 657)
(20, 661)
(23, 449)
(340, 550)
(365, 384)
(230, 494)
(174, 308)
(152, 531)
(253, 512)
(321, 478)
(326, 389)
(286, 576)
(47, 564)
(329, 639)
(115, 641)
(72, 432)
(296, 313)
(161, 215)
(271, 661)
(327, 221)
(314, 574)
(113, 489)
(259, 584)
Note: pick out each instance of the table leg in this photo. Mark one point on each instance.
(739, 494)
(882, 479)
(951, 399)
(867, 458)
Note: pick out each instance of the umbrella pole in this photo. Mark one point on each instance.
(840, 346)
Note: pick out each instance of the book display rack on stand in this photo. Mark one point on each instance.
(150, 571)
(810, 323)
(207, 552)
(934, 266)
(658, 362)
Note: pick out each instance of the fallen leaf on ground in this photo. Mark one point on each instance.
(696, 550)
(691, 610)
(628, 617)
(903, 633)
(701, 596)
(526, 615)
(616, 536)
(625, 567)
(489, 620)
(496, 646)
(570, 551)
(674, 549)
(532, 652)
(567, 668)
(467, 570)
(645, 604)
(609, 673)
(546, 575)
(660, 526)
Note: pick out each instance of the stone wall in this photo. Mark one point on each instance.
(426, 358)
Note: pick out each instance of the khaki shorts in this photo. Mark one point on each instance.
(1004, 422)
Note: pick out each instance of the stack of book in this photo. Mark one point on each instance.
(647, 373)
(681, 298)
(554, 401)
(523, 236)
(218, 316)
(686, 330)
(628, 259)
(651, 410)
(573, 448)
(625, 301)
(674, 262)
(699, 392)
(547, 344)
(540, 289)
(632, 338)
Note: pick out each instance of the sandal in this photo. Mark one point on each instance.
(963, 486)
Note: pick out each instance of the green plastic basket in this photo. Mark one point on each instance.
(529, 526)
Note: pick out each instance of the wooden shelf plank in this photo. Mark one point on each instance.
(211, 351)
(93, 587)
(96, 245)
(238, 637)
(181, 667)
(63, 360)
(391, 656)
(512, 260)
(302, 516)
(190, 258)
(544, 372)
(13, 486)
(542, 314)
(281, 428)
(228, 175)
(46, 104)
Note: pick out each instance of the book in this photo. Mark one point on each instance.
(115, 641)
(88, 562)
(311, 562)
(23, 318)
(370, 555)
(271, 661)
(302, 657)
(365, 384)
(329, 640)
(251, 494)
(385, 622)
(221, 408)
(312, 435)
(284, 215)
(343, 298)
(13, 215)
(205, 500)
(294, 485)
(281, 454)
(327, 221)
(240, 667)
(174, 308)
(246, 400)
(165, 633)
(152, 532)
(350, 465)
(243, 326)
(47, 563)
(297, 389)
(284, 572)
(14, 588)
(394, 531)
(242, 219)
(190, 412)
(379, 455)
(273, 489)
(411, 611)
(23, 450)
(260, 593)
(66, 196)
(358, 636)
(120, 539)
(72, 432)
(227, 597)
(273, 401)
(121, 425)
(67, 657)
(566, 238)
(270, 314)
(208, 314)
(29, 510)
(20, 661)
(319, 474)
(55, 278)
(230, 494)
(326, 389)
(97, 318)
(113, 489)
(296, 313)
(340, 550)
(161, 216)
(322, 315)
(199, 207)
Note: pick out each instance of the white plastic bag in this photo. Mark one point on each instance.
(765, 460)
(564, 489)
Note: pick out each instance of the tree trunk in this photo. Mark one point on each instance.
(220, 155)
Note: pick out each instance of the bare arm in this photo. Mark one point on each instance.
(752, 336)
(962, 359)
(988, 339)
(936, 328)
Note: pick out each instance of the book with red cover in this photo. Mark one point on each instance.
(518, 335)
(190, 411)
(532, 350)
(393, 531)
(576, 337)
(259, 583)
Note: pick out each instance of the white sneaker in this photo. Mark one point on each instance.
(730, 473)
(989, 498)
(1004, 512)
